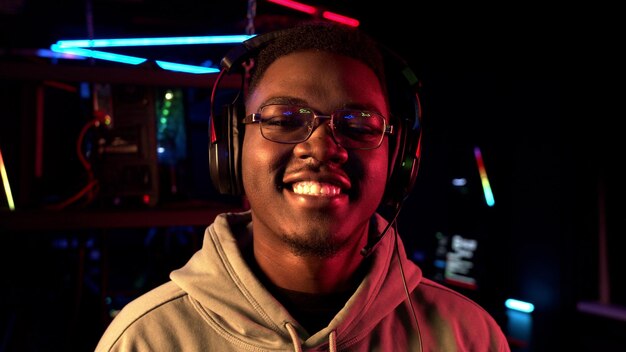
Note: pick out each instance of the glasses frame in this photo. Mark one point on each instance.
(318, 120)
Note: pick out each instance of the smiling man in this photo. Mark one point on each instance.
(312, 265)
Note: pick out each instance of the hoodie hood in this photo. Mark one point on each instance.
(234, 302)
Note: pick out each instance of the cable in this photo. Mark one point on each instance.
(370, 247)
(367, 250)
(406, 289)
(91, 187)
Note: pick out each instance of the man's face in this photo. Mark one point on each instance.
(314, 197)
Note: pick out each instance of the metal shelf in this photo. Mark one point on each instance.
(50, 220)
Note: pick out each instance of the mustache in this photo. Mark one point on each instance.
(352, 168)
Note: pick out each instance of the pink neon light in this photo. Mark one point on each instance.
(340, 18)
(312, 10)
(296, 6)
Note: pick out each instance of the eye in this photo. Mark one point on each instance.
(284, 122)
(359, 124)
(284, 116)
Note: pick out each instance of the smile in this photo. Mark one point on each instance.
(313, 188)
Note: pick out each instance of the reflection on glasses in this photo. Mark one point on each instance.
(351, 129)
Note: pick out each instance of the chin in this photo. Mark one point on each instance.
(316, 242)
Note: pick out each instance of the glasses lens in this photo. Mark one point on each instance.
(358, 129)
(353, 129)
(286, 124)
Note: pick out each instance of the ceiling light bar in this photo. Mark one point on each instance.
(96, 54)
(78, 48)
(340, 18)
(117, 42)
(312, 10)
(173, 66)
(133, 60)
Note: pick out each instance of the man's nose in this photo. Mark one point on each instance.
(322, 123)
(321, 144)
(321, 120)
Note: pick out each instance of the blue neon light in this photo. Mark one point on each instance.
(173, 66)
(107, 43)
(132, 60)
(78, 47)
(519, 305)
(57, 55)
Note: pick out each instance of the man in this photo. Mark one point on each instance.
(290, 274)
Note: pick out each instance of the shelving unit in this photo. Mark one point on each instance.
(197, 214)
(28, 77)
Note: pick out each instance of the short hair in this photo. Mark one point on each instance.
(321, 36)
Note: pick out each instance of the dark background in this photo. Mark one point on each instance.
(492, 77)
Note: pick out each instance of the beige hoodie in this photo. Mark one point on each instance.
(215, 303)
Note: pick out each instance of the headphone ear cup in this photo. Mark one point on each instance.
(225, 152)
(226, 132)
(405, 159)
(404, 104)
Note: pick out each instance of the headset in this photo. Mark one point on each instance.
(226, 131)
(226, 135)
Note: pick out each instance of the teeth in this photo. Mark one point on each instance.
(312, 188)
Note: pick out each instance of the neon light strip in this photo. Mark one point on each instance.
(52, 54)
(612, 311)
(77, 48)
(172, 66)
(5, 183)
(132, 60)
(519, 305)
(483, 177)
(312, 10)
(107, 43)
(340, 18)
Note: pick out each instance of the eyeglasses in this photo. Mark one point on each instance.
(351, 129)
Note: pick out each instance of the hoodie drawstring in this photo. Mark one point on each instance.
(332, 339)
(294, 338)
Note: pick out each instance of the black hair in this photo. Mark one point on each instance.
(321, 36)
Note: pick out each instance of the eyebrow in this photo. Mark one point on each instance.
(363, 107)
(289, 100)
(285, 100)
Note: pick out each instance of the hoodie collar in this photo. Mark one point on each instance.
(238, 306)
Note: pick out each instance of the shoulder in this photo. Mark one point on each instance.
(154, 305)
(447, 315)
(436, 292)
